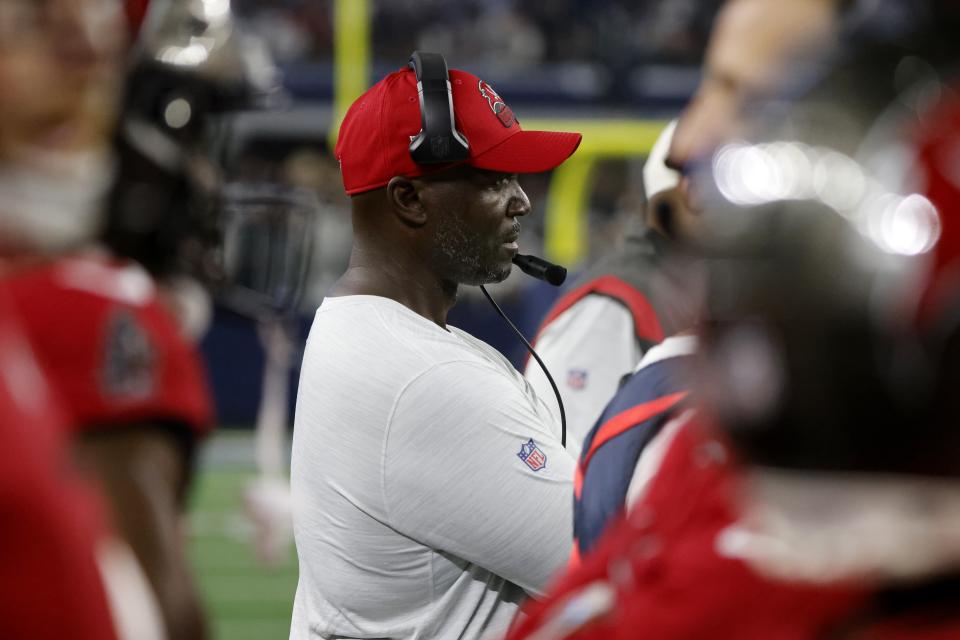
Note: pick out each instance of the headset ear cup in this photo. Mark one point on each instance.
(439, 141)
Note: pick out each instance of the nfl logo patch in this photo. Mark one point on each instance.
(532, 455)
(577, 379)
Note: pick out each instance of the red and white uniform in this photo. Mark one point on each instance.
(597, 332)
(591, 338)
(678, 566)
(658, 574)
(109, 347)
(50, 585)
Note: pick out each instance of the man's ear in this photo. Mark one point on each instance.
(404, 197)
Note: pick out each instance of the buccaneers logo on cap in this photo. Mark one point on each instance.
(497, 105)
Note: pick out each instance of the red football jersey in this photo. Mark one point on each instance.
(109, 347)
(50, 586)
(657, 573)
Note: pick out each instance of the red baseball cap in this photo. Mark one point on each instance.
(374, 141)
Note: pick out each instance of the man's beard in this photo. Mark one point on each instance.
(465, 257)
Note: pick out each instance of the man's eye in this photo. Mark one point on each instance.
(497, 182)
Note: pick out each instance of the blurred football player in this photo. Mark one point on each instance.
(136, 396)
(615, 466)
(185, 207)
(51, 525)
(816, 494)
(64, 574)
(756, 51)
(596, 333)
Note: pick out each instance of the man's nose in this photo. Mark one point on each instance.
(710, 121)
(687, 138)
(519, 204)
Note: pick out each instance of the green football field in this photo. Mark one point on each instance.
(244, 600)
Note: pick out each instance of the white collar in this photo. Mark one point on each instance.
(678, 345)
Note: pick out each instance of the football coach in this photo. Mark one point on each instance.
(431, 490)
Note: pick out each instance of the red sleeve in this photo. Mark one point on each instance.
(50, 585)
(666, 579)
(110, 348)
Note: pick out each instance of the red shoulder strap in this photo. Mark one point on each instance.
(645, 321)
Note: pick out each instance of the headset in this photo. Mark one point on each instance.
(439, 142)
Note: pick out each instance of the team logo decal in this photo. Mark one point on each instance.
(497, 105)
(532, 455)
(577, 379)
(130, 359)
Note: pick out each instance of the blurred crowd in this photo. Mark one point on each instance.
(606, 52)
(520, 34)
(601, 51)
(759, 363)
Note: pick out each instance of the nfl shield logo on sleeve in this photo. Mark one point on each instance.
(532, 455)
(577, 379)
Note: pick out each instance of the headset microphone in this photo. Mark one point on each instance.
(541, 269)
